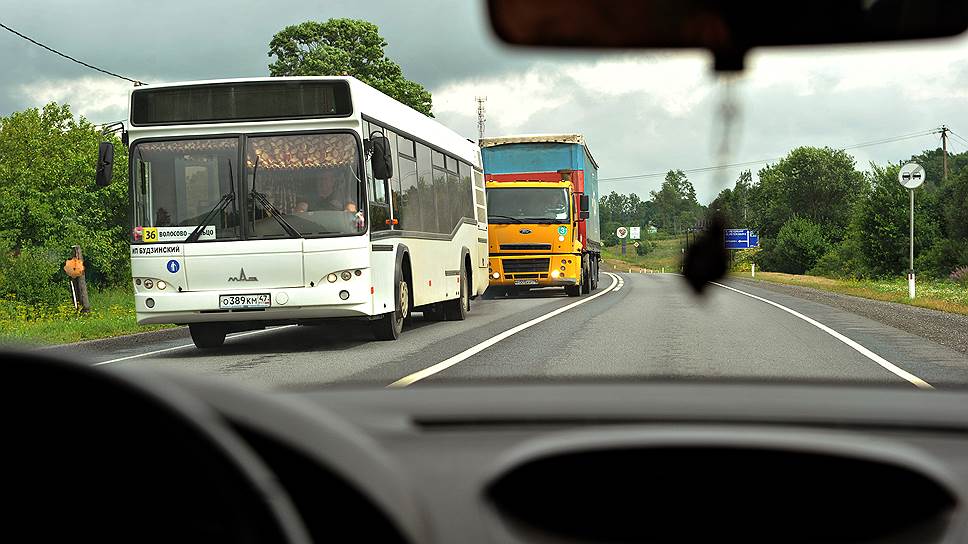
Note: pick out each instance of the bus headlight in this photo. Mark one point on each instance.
(161, 284)
(495, 275)
(561, 238)
(331, 278)
(149, 284)
(555, 274)
(346, 275)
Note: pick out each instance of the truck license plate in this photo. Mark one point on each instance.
(236, 302)
(525, 282)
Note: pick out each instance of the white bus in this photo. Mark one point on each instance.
(254, 202)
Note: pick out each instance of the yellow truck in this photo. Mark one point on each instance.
(542, 200)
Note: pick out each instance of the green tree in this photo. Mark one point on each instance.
(675, 205)
(344, 47)
(880, 224)
(49, 201)
(798, 246)
(821, 184)
(733, 203)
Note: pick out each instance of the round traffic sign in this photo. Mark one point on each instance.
(621, 232)
(911, 175)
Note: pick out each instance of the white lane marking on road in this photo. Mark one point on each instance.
(918, 382)
(473, 350)
(621, 283)
(157, 351)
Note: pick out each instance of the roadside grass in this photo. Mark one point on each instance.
(112, 314)
(943, 295)
(667, 254)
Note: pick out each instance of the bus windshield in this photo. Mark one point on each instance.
(177, 183)
(309, 181)
(526, 204)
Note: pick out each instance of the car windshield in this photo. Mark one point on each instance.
(311, 195)
(513, 205)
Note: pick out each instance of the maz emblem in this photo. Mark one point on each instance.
(525, 231)
(243, 277)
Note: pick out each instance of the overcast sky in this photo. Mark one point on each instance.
(640, 113)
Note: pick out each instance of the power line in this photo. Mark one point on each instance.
(70, 58)
(751, 163)
(956, 135)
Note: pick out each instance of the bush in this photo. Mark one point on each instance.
(799, 245)
(31, 278)
(842, 261)
(960, 275)
(744, 258)
(941, 258)
(645, 247)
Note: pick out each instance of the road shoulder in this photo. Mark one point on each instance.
(948, 329)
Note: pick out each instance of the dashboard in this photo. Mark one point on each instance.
(135, 455)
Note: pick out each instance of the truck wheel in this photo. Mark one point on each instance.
(573, 290)
(456, 310)
(208, 335)
(586, 277)
(594, 274)
(390, 325)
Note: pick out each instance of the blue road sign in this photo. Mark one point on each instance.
(740, 239)
(173, 266)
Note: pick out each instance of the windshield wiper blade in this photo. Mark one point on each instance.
(269, 207)
(514, 219)
(223, 201)
(275, 214)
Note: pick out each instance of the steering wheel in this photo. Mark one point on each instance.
(93, 456)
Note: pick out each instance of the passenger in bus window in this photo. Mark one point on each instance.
(351, 207)
(301, 207)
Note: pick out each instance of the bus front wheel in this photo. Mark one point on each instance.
(207, 335)
(389, 325)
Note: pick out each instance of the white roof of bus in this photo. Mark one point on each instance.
(539, 139)
(373, 103)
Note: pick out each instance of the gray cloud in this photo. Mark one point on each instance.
(442, 42)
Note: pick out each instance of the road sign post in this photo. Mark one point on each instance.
(622, 233)
(911, 176)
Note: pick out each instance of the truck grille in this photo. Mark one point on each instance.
(512, 266)
(533, 247)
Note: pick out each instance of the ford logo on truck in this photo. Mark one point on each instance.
(525, 231)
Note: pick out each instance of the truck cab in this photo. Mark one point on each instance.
(542, 196)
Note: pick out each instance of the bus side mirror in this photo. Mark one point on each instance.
(583, 207)
(382, 158)
(105, 164)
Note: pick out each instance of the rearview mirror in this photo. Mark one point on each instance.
(382, 158)
(105, 164)
(727, 29)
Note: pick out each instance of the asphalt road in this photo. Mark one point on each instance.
(634, 327)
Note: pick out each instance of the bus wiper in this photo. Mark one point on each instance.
(269, 207)
(513, 219)
(219, 206)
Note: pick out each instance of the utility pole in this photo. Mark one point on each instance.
(481, 116)
(944, 152)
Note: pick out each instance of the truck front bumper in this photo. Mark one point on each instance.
(554, 270)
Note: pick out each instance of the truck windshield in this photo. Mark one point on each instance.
(527, 204)
(177, 183)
